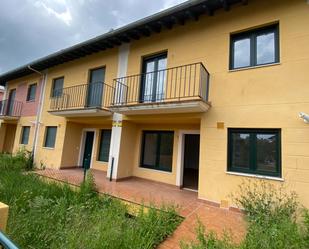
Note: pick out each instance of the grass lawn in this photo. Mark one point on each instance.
(50, 215)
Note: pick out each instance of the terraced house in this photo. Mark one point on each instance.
(200, 96)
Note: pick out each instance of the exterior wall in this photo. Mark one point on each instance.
(74, 73)
(72, 148)
(29, 108)
(130, 150)
(265, 97)
(24, 121)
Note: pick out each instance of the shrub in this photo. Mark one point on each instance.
(209, 240)
(272, 220)
(52, 215)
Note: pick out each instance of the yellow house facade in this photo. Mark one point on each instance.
(201, 96)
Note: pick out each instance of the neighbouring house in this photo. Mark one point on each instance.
(202, 96)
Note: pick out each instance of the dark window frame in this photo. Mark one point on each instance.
(52, 92)
(29, 96)
(252, 35)
(45, 137)
(253, 151)
(154, 57)
(101, 144)
(22, 138)
(156, 166)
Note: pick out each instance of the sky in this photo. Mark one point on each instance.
(30, 29)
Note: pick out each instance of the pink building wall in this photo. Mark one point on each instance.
(29, 108)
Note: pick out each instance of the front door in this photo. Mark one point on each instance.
(88, 149)
(191, 161)
(153, 78)
(10, 104)
(95, 87)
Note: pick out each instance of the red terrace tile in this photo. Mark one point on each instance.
(147, 192)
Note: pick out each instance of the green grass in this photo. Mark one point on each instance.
(51, 215)
(275, 221)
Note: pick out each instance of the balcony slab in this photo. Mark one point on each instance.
(190, 106)
(84, 112)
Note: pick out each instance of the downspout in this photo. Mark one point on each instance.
(39, 110)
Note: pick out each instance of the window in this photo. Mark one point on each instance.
(254, 48)
(50, 136)
(31, 92)
(57, 87)
(157, 150)
(104, 145)
(154, 78)
(25, 135)
(254, 151)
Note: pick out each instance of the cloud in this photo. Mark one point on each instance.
(31, 29)
(63, 16)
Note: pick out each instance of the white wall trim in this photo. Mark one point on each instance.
(82, 146)
(39, 114)
(180, 154)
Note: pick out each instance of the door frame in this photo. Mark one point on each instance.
(180, 154)
(82, 146)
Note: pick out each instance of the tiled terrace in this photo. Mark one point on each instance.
(149, 192)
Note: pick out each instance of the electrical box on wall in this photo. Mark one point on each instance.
(220, 125)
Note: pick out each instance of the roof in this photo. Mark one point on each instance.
(166, 19)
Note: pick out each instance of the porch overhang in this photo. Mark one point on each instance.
(85, 112)
(192, 106)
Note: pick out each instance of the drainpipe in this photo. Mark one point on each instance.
(39, 110)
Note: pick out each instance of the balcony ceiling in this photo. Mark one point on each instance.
(167, 19)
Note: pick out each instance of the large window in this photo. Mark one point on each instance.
(157, 150)
(57, 87)
(104, 145)
(50, 136)
(254, 48)
(254, 151)
(24, 139)
(31, 92)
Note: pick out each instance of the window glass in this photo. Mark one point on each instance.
(25, 135)
(105, 145)
(166, 151)
(265, 45)
(57, 87)
(241, 150)
(266, 152)
(50, 136)
(157, 150)
(150, 149)
(31, 92)
(242, 53)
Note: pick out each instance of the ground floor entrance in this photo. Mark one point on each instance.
(191, 161)
(7, 137)
(88, 147)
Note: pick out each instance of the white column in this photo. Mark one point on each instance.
(123, 56)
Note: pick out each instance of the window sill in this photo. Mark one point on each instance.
(254, 67)
(30, 101)
(48, 148)
(156, 170)
(256, 176)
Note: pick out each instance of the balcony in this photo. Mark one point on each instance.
(10, 110)
(182, 89)
(87, 100)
